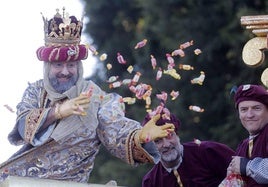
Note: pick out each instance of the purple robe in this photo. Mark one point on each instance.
(203, 165)
(260, 149)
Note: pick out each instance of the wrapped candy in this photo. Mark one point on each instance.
(9, 108)
(103, 57)
(199, 80)
(196, 108)
(121, 59)
(129, 100)
(186, 67)
(89, 92)
(112, 79)
(186, 44)
(174, 94)
(93, 49)
(173, 73)
(130, 69)
(233, 180)
(141, 44)
(126, 81)
(197, 141)
(109, 66)
(115, 84)
(197, 51)
(159, 74)
(162, 96)
(170, 59)
(153, 61)
(136, 77)
(177, 52)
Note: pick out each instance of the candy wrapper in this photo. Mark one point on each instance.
(233, 180)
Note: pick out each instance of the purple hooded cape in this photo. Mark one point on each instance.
(203, 165)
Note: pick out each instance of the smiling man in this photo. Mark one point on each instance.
(251, 161)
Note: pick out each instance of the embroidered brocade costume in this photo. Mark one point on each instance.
(49, 154)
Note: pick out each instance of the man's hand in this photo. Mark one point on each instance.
(75, 106)
(234, 166)
(151, 131)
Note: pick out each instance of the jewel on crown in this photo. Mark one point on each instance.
(62, 30)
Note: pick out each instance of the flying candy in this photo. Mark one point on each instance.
(170, 59)
(9, 108)
(121, 59)
(153, 61)
(197, 51)
(109, 66)
(126, 81)
(130, 69)
(177, 52)
(162, 96)
(115, 84)
(93, 49)
(159, 74)
(141, 44)
(186, 44)
(103, 57)
(174, 94)
(136, 78)
(173, 73)
(129, 100)
(196, 108)
(196, 141)
(185, 67)
(112, 79)
(199, 80)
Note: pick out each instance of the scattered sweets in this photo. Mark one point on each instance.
(159, 74)
(9, 108)
(196, 141)
(109, 66)
(186, 67)
(173, 73)
(174, 94)
(93, 49)
(130, 69)
(178, 52)
(199, 80)
(115, 84)
(153, 62)
(141, 44)
(186, 44)
(103, 57)
(112, 79)
(197, 51)
(144, 91)
(162, 96)
(121, 59)
(196, 108)
(129, 100)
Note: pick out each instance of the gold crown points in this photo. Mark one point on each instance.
(62, 30)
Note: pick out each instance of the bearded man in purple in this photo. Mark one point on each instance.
(192, 164)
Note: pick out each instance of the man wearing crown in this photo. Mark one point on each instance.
(62, 119)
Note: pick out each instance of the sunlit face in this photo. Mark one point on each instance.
(63, 75)
(253, 116)
(169, 148)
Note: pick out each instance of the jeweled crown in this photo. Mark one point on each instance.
(62, 30)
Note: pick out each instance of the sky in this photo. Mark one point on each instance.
(21, 35)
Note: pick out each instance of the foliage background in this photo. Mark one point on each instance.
(214, 26)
